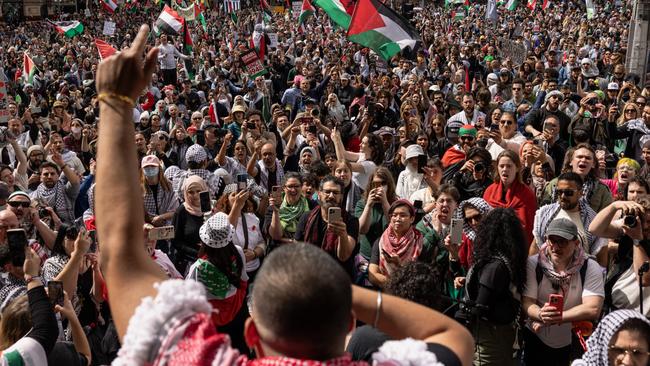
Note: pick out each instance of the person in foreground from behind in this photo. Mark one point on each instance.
(283, 329)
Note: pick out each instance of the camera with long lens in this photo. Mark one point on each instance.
(479, 167)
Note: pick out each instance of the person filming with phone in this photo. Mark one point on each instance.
(400, 243)
(563, 286)
(329, 227)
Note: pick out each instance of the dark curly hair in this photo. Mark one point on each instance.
(417, 282)
(500, 232)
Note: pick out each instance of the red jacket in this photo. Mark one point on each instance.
(519, 198)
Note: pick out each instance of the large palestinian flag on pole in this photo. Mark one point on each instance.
(169, 22)
(68, 28)
(381, 29)
(336, 11)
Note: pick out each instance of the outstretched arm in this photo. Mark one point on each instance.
(130, 275)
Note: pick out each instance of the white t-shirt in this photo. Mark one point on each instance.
(558, 336)
(254, 238)
(361, 179)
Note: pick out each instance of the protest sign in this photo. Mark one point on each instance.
(4, 103)
(109, 28)
(274, 40)
(516, 52)
(252, 64)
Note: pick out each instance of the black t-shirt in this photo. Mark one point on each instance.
(352, 224)
(366, 340)
(494, 293)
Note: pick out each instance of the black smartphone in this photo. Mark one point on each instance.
(93, 241)
(205, 201)
(55, 292)
(422, 162)
(312, 129)
(17, 240)
(417, 204)
(200, 137)
(242, 181)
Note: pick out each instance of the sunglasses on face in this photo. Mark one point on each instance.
(19, 204)
(467, 138)
(566, 192)
(506, 122)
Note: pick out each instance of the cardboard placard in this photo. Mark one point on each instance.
(273, 37)
(252, 64)
(513, 50)
(109, 28)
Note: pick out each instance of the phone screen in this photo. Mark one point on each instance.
(17, 240)
(422, 162)
(205, 201)
(55, 292)
(242, 181)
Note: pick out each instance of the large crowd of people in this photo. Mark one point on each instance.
(483, 198)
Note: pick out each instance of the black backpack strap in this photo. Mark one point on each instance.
(583, 272)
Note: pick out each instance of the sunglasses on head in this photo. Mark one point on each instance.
(19, 203)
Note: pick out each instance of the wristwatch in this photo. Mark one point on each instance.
(29, 278)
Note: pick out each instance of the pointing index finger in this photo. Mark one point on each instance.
(140, 40)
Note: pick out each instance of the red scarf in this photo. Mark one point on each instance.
(331, 241)
(345, 360)
(519, 198)
(407, 248)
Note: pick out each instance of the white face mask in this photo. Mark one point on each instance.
(150, 171)
(75, 129)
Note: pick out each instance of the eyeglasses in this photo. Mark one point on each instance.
(506, 122)
(619, 352)
(327, 192)
(19, 203)
(566, 192)
(558, 241)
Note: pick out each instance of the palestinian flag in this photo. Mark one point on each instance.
(229, 7)
(29, 69)
(258, 42)
(336, 11)
(306, 11)
(266, 11)
(188, 47)
(68, 28)
(381, 29)
(458, 14)
(531, 4)
(511, 5)
(109, 5)
(169, 22)
(546, 4)
(105, 50)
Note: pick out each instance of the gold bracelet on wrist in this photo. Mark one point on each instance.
(102, 97)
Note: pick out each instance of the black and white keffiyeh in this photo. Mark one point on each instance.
(598, 342)
(478, 203)
(217, 232)
(57, 198)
